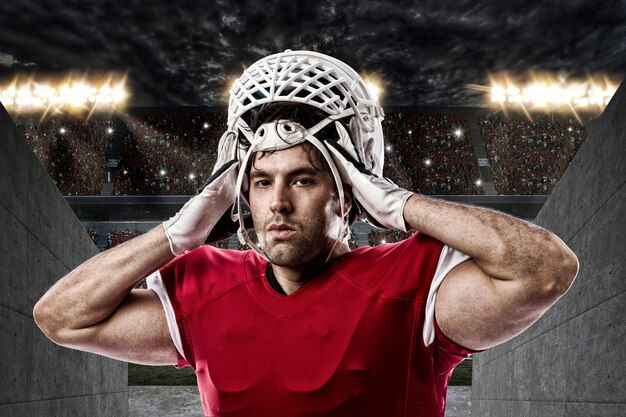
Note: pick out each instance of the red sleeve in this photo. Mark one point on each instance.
(448, 353)
(182, 362)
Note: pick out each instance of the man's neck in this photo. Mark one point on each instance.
(291, 279)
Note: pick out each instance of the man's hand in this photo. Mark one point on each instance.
(381, 200)
(190, 227)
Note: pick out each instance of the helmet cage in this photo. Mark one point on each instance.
(316, 80)
(319, 81)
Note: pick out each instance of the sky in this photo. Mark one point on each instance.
(425, 53)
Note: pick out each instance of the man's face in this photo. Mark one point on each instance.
(294, 206)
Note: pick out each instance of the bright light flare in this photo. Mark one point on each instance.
(373, 83)
(230, 84)
(374, 90)
(550, 92)
(73, 94)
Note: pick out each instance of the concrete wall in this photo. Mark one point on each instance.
(40, 241)
(572, 362)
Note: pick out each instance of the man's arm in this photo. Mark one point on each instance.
(517, 271)
(94, 308)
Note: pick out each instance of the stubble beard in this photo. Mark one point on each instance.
(309, 246)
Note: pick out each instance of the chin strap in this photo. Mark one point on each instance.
(340, 236)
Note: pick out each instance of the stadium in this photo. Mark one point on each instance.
(139, 167)
(92, 160)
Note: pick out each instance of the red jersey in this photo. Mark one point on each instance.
(359, 339)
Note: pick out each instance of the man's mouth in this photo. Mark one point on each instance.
(280, 231)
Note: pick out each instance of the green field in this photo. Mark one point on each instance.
(462, 374)
(160, 375)
(168, 375)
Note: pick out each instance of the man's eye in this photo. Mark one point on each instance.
(304, 181)
(262, 183)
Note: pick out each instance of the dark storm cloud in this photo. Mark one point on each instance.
(185, 53)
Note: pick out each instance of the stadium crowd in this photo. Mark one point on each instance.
(380, 236)
(73, 151)
(169, 154)
(93, 235)
(174, 153)
(375, 237)
(529, 158)
(430, 154)
(117, 237)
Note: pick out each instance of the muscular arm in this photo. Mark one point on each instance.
(95, 309)
(518, 270)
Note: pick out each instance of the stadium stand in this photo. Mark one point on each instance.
(379, 236)
(117, 237)
(73, 151)
(93, 235)
(168, 154)
(529, 158)
(432, 154)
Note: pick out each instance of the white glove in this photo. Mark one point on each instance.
(190, 227)
(380, 199)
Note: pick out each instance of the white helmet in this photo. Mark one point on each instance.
(309, 78)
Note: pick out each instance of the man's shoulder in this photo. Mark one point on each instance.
(394, 269)
(208, 271)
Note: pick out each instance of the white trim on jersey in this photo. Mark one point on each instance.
(155, 283)
(448, 259)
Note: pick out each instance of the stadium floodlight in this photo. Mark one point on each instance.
(428, 162)
(373, 85)
(478, 182)
(549, 92)
(458, 133)
(191, 176)
(388, 148)
(162, 172)
(374, 90)
(73, 95)
(205, 125)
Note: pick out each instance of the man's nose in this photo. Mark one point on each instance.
(281, 203)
